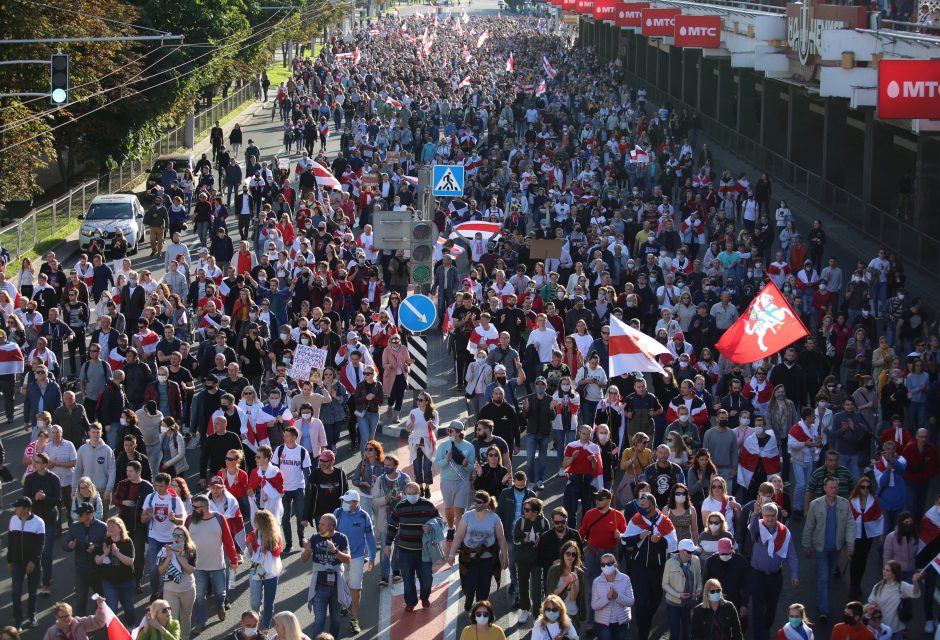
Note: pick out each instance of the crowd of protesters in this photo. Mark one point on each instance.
(695, 491)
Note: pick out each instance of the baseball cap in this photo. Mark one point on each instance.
(84, 508)
(327, 456)
(603, 494)
(455, 425)
(351, 496)
(23, 502)
(725, 546)
(217, 480)
(352, 335)
(687, 545)
(541, 379)
(499, 368)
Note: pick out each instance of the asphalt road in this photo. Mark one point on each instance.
(382, 614)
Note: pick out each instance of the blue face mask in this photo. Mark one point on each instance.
(389, 470)
(552, 615)
(796, 623)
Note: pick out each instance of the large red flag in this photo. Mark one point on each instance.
(768, 325)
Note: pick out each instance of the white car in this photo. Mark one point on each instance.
(107, 214)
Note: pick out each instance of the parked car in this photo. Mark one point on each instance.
(107, 214)
(181, 162)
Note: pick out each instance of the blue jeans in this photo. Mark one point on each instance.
(852, 462)
(586, 411)
(293, 503)
(680, 622)
(203, 578)
(47, 549)
(326, 599)
(367, 425)
(825, 564)
(536, 466)
(267, 588)
(388, 565)
(561, 440)
(112, 438)
(156, 580)
(578, 491)
(917, 415)
(413, 566)
(18, 574)
(612, 631)
(125, 594)
(334, 432)
(801, 474)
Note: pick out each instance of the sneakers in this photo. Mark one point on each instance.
(196, 631)
(523, 617)
(930, 627)
(29, 623)
(221, 614)
(450, 534)
(539, 486)
(45, 590)
(354, 625)
(426, 604)
(383, 582)
(409, 608)
(343, 610)
(396, 578)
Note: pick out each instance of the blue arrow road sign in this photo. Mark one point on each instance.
(447, 180)
(417, 314)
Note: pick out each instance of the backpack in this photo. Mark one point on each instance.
(280, 447)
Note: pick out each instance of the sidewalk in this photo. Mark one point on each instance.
(843, 242)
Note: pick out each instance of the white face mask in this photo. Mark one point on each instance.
(609, 571)
(411, 498)
(123, 422)
(684, 417)
(680, 499)
(602, 438)
(714, 528)
(744, 421)
(759, 431)
(250, 632)
(306, 416)
(164, 429)
(725, 557)
(565, 388)
(161, 379)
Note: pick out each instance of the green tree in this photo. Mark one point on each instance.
(29, 149)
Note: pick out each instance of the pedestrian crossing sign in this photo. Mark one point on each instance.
(448, 180)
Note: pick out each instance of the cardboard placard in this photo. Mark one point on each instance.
(370, 179)
(307, 359)
(544, 249)
(393, 157)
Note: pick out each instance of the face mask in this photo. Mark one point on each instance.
(552, 616)
(389, 470)
(823, 404)
(683, 364)
(725, 557)
(684, 417)
(714, 528)
(161, 379)
(714, 597)
(565, 388)
(164, 429)
(745, 421)
(252, 316)
(123, 422)
(796, 623)
(411, 498)
(482, 618)
(481, 358)
(603, 438)
(759, 430)
(305, 341)
(609, 571)
(347, 506)
(250, 632)
(723, 422)
(133, 283)
(306, 416)
(680, 499)
(540, 390)
(285, 336)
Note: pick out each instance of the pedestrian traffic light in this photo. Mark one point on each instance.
(59, 93)
(423, 237)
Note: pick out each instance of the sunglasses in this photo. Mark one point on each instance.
(681, 494)
(370, 449)
(571, 554)
(527, 510)
(231, 459)
(714, 591)
(179, 536)
(608, 564)
(547, 609)
(559, 522)
(166, 610)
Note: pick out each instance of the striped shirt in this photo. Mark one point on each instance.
(406, 523)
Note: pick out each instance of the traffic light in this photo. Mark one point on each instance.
(59, 93)
(423, 237)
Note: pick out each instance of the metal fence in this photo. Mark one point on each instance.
(49, 221)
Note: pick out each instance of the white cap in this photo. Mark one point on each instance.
(684, 545)
(351, 496)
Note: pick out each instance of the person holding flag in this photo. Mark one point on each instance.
(767, 326)
(758, 459)
(649, 539)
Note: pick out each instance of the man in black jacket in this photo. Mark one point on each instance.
(137, 376)
(215, 447)
(27, 537)
(131, 451)
(505, 421)
(791, 376)
(325, 486)
(45, 490)
(648, 550)
(538, 425)
(133, 301)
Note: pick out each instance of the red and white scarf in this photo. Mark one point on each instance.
(881, 467)
(663, 528)
(870, 517)
(752, 453)
(778, 542)
(254, 424)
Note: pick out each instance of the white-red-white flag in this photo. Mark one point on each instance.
(113, 625)
(631, 350)
(549, 69)
(324, 178)
(483, 38)
(469, 230)
(357, 56)
(510, 64)
(393, 103)
(11, 359)
(466, 54)
(464, 83)
(639, 155)
(541, 88)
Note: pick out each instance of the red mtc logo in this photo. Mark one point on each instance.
(604, 9)
(629, 14)
(659, 22)
(909, 89)
(698, 31)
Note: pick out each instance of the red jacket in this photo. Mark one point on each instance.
(173, 397)
(921, 467)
